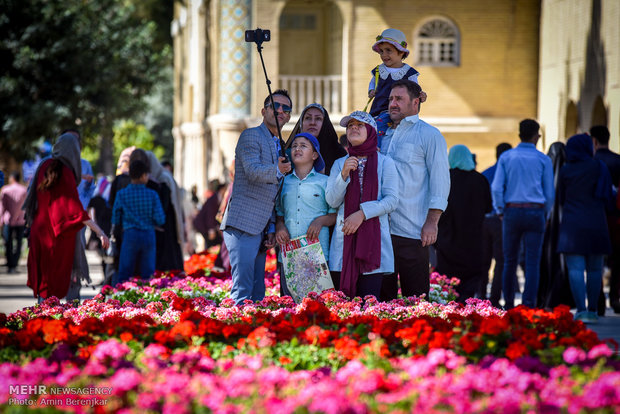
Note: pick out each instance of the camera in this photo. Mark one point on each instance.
(257, 36)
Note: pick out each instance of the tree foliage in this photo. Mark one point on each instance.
(68, 63)
(127, 134)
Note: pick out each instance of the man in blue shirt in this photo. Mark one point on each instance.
(139, 210)
(421, 157)
(523, 195)
(492, 237)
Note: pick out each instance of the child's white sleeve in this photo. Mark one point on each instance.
(371, 86)
(414, 77)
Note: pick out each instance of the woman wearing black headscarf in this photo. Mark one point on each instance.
(553, 288)
(459, 239)
(314, 120)
(585, 193)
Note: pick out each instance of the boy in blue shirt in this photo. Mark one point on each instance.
(301, 208)
(139, 210)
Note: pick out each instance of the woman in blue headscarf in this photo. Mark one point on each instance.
(585, 192)
(459, 241)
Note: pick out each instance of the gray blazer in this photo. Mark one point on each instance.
(255, 186)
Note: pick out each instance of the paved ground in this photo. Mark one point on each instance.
(15, 295)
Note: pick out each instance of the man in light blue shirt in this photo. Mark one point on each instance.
(421, 157)
(523, 194)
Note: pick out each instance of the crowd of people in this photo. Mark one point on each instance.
(387, 201)
(140, 210)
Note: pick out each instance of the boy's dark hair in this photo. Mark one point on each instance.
(281, 92)
(600, 133)
(16, 176)
(502, 148)
(527, 129)
(343, 140)
(140, 155)
(413, 89)
(137, 169)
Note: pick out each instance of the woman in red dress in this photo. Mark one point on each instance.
(55, 214)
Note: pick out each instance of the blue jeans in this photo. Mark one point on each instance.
(577, 265)
(247, 265)
(138, 247)
(527, 224)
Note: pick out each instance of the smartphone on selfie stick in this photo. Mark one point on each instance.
(259, 36)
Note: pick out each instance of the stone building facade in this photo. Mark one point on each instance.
(478, 62)
(579, 76)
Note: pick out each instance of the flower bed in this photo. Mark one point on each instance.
(179, 344)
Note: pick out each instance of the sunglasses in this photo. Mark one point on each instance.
(285, 108)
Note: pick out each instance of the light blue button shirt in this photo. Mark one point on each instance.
(386, 202)
(301, 201)
(523, 175)
(86, 189)
(421, 157)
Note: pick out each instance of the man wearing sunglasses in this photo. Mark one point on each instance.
(249, 223)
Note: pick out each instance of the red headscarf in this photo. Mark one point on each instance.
(362, 250)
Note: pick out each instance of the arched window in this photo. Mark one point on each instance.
(599, 112)
(437, 43)
(571, 120)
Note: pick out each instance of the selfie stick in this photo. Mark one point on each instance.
(259, 46)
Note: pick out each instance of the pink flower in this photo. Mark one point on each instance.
(574, 355)
(155, 350)
(110, 349)
(227, 303)
(599, 351)
(125, 379)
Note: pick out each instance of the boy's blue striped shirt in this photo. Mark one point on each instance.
(138, 207)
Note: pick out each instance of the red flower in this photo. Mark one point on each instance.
(126, 336)
(317, 336)
(516, 350)
(470, 342)
(494, 325)
(185, 330)
(440, 340)
(347, 347)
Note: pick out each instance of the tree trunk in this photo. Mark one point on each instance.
(106, 155)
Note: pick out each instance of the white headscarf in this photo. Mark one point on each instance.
(160, 174)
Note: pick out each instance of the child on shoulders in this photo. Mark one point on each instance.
(391, 45)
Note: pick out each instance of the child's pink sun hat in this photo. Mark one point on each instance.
(394, 37)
